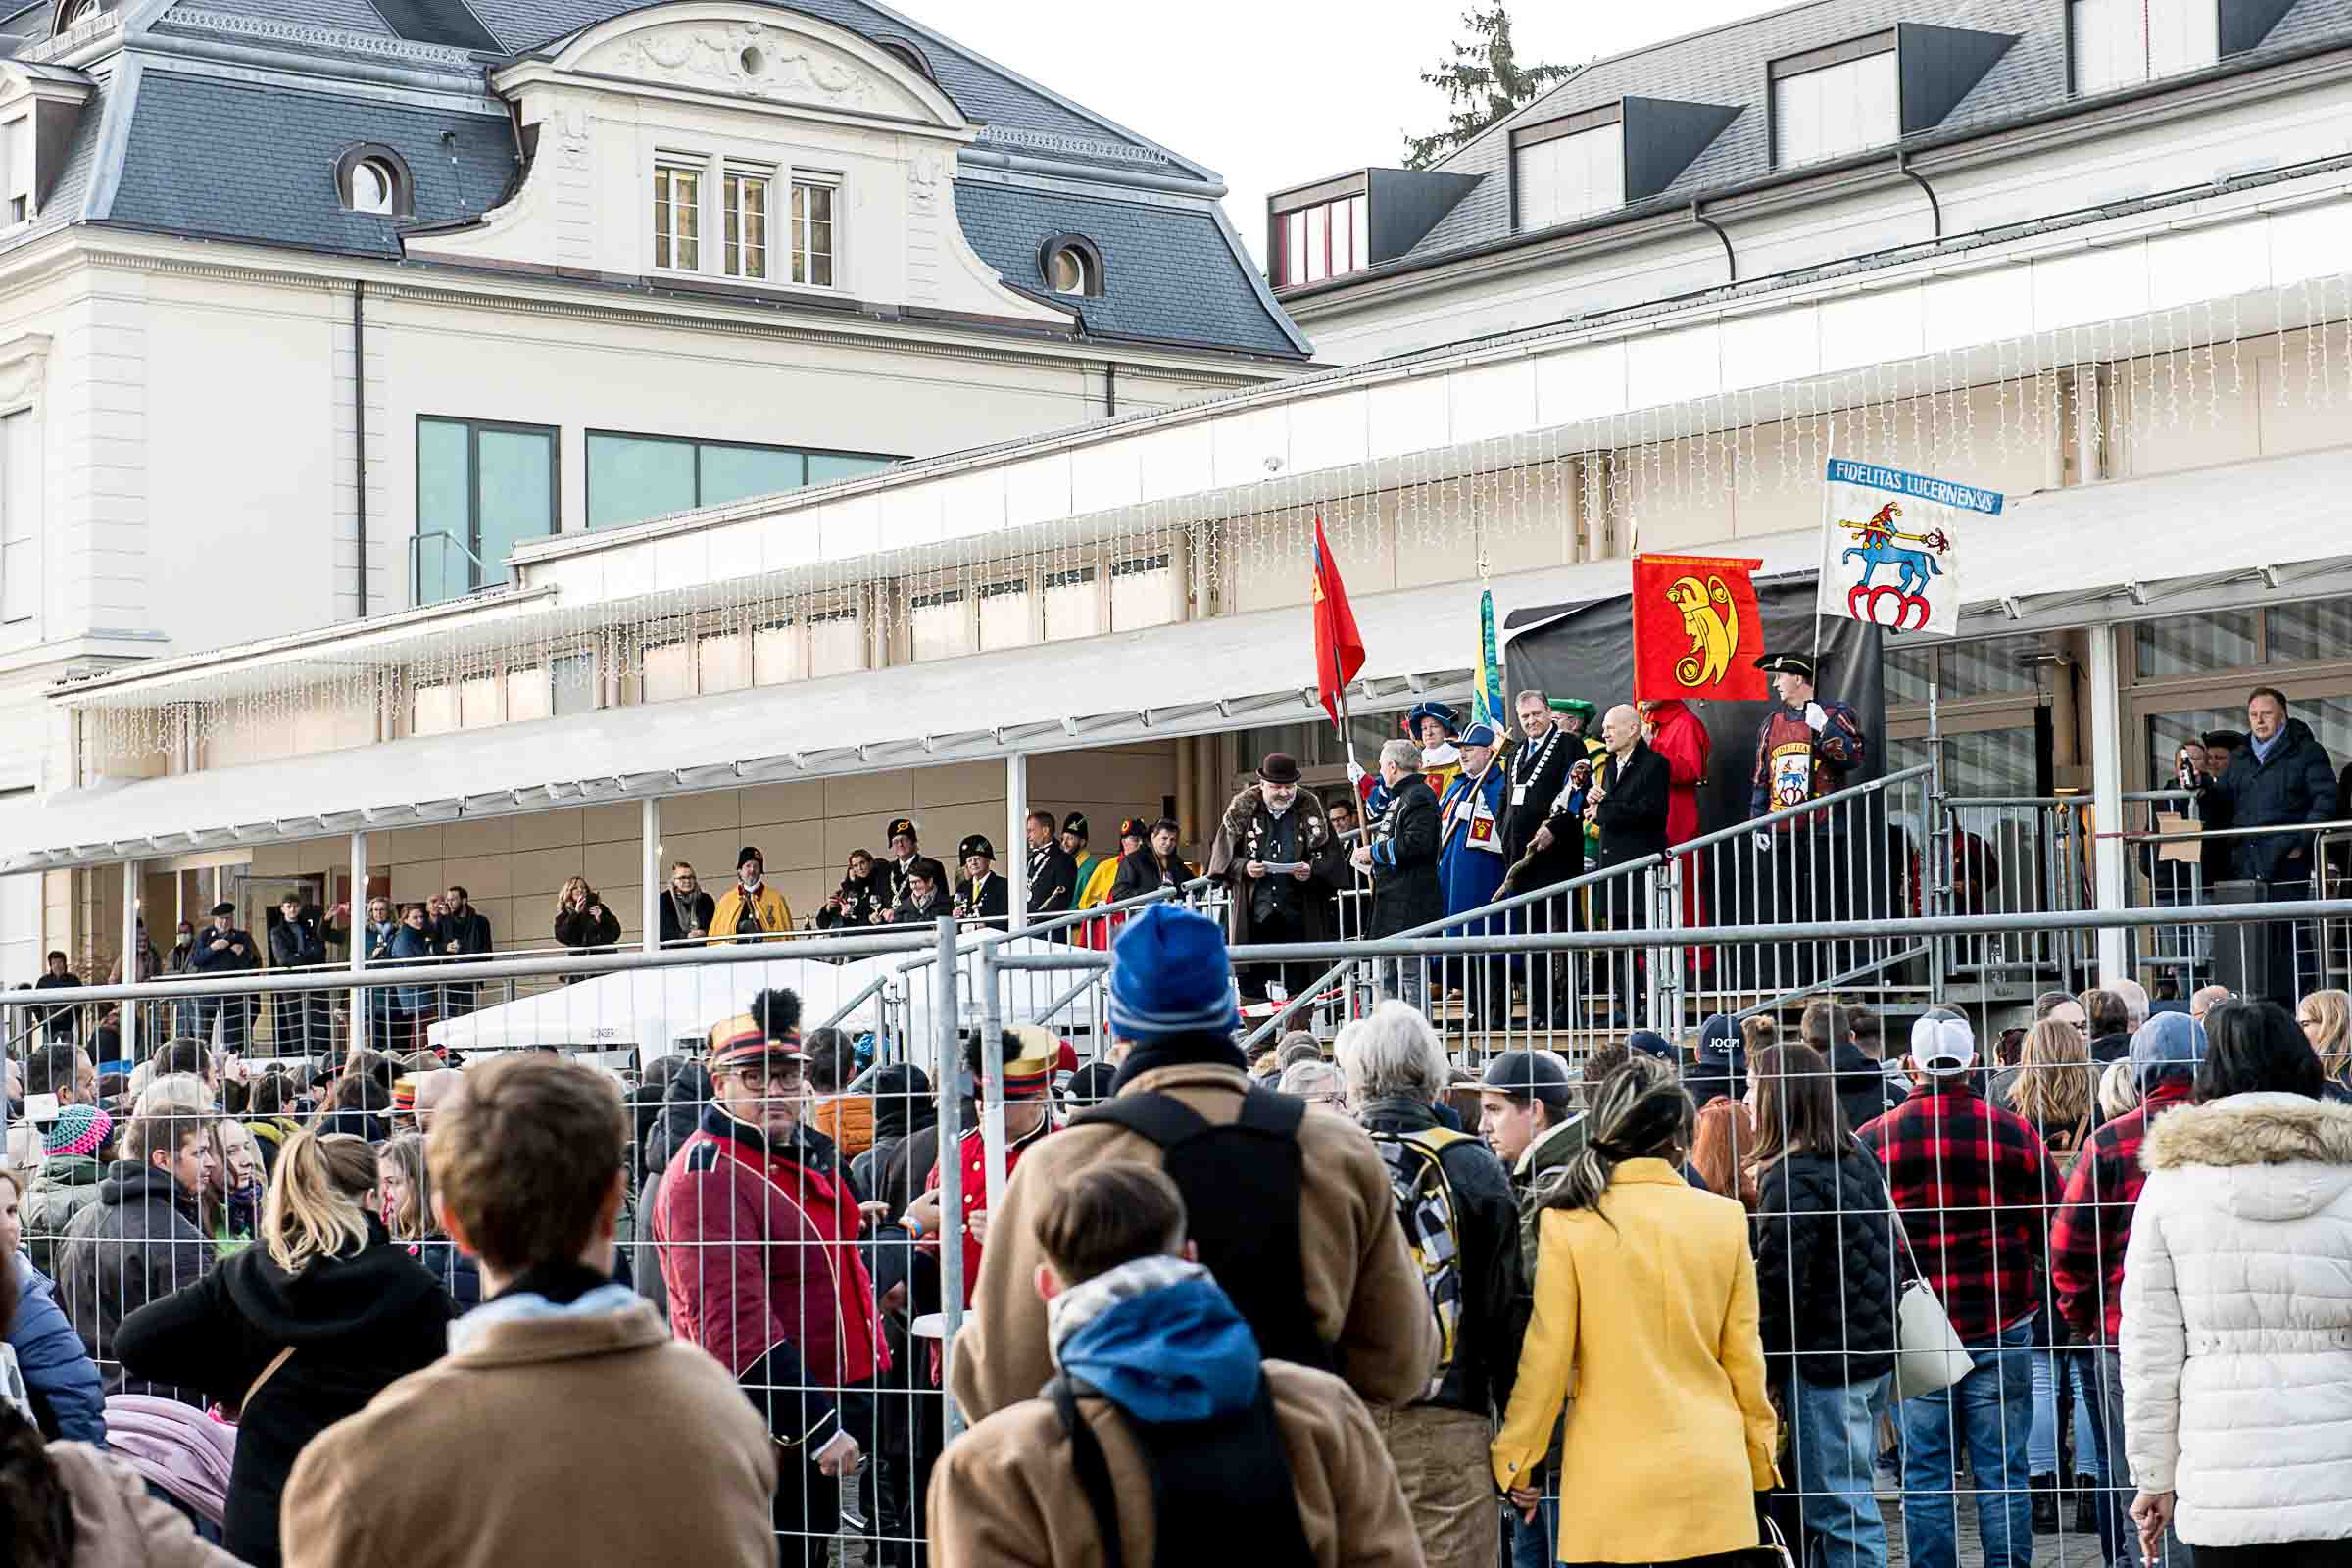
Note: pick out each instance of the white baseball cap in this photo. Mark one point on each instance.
(1942, 1047)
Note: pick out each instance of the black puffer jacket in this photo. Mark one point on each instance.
(1824, 1267)
(2296, 785)
(1864, 1090)
(356, 1324)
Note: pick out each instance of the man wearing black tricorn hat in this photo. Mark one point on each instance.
(1809, 746)
(981, 894)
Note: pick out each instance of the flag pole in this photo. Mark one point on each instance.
(1821, 574)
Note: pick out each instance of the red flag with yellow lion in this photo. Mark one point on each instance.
(1698, 632)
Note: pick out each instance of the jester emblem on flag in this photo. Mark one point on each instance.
(1890, 545)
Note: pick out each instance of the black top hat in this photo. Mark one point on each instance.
(901, 825)
(975, 844)
(1796, 664)
(1075, 823)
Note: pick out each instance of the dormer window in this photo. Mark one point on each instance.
(375, 179)
(1071, 265)
(1835, 101)
(1569, 169)
(2120, 43)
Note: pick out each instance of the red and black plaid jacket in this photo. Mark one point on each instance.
(1975, 1185)
(2094, 1221)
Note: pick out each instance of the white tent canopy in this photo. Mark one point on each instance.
(659, 1011)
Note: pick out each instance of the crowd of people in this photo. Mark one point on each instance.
(1649, 1307)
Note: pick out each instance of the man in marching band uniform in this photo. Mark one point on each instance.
(1809, 746)
(1031, 1053)
(1470, 862)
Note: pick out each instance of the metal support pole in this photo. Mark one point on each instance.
(951, 1164)
(355, 924)
(129, 1033)
(2107, 799)
(649, 913)
(986, 979)
(1936, 870)
(1666, 963)
(1017, 840)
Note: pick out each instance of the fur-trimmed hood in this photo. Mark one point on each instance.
(2281, 1156)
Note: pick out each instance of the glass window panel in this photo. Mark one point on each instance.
(444, 510)
(940, 625)
(2169, 732)
(836, 643)
(2109, 43)
(813, 233)
(527, 695)
(572, 683)
(433, 710)
(1990, 666)
(1143, 593)
(824, 466)
(730, 474)
(779, 653)
(1008, 617)
(1318, 244)
(1359, 217)
(1907, 671)
(479, 702)
(746, 226)
(686, 212)
(631, 478)
(1073, 605)
(720, 665)
(2194, 645)
(669, 671)
(517, 494)
(2183, 36)
(1990, 761)
(1293, 247)
(2322, 629)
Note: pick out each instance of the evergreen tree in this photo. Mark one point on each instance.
(1484, 82)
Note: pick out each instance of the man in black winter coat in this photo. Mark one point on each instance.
(221, 950)
(1395, 1069)
(139, 1241)
(1628, 801)
(299, 942)
(1402, 859)
(2281, 778)
(463, 932)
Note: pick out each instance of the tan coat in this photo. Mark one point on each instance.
(1006, 1492)
(1367, 1297)
(118, 1525)
(558, 1439)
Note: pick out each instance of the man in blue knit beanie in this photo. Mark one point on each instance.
(1291, 1214)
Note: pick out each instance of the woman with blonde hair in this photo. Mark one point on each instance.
(297, 1332)
(2325, 1020)
(2118, 1091)
(1646, 1306)
(230, 1209)
(2057, 1091)
(582, 922)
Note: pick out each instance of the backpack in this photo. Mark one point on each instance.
(1431, 1222)
(1241, 1182)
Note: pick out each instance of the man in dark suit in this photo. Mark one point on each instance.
(1628, 801)
(1053, 874)
(1402, 859)
(1543, 841)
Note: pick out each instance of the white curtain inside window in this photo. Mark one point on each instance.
(1841, 109)
(1571, 176)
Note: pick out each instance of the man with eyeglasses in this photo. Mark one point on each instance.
(757, 1231)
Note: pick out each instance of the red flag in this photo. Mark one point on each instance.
(1339, 646)
(1698, 632)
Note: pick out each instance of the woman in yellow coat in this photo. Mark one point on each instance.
(1646, 1312)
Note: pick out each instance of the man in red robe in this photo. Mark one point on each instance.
(1675, 733)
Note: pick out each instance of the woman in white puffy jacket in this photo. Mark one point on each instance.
(2237, 1340)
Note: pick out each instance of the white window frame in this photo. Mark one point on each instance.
(794, 233)
(1541, 173)
(17, 180)
(732, 235)
(2113, 44)
(674, 163)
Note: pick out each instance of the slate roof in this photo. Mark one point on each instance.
(1168, 272)
(1727, 65)
(237, 160)
(988, 93)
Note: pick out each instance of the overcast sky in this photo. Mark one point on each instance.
(1271, 95)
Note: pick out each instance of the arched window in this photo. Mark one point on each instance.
(375, 179)
(71, 14)
(1071, 265)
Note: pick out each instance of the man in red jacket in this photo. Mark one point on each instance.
(757, 1230)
